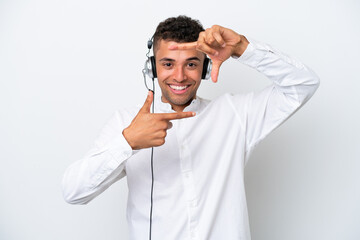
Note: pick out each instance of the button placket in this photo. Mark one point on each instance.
(188, 181)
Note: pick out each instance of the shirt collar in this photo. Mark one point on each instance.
(161, 106)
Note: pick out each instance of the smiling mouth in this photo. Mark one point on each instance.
(178, 89)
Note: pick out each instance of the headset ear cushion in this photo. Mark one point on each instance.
(153, 66)
(205, 73)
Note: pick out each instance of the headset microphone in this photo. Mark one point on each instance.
(149, 71)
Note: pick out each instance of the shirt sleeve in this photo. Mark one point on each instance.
(293, 84)
(103, 165)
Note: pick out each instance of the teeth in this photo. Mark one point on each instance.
(178, 87)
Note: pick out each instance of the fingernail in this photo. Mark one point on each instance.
(216, 53)
(194, 113)
(223, 45)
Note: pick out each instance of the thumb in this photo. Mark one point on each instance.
(147, 105)
(215, 70)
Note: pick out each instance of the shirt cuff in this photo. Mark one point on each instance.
(120, 150)
(254, 53)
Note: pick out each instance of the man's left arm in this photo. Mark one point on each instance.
(293, 82)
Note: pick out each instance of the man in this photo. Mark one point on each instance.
(201, 146)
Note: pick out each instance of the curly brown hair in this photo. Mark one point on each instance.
(179, 29)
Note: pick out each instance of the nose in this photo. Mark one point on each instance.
(179, 74)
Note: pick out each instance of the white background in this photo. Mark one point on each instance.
(67, 65)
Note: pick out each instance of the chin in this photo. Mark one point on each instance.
(178, 101)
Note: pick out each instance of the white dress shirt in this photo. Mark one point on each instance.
(199, 172)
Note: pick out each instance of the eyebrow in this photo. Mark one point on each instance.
(172, 60)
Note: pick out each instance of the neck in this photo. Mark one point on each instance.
(177, 108)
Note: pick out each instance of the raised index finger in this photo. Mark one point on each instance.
(183, 46)
(176, 115)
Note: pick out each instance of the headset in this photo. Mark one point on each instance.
(150, 71)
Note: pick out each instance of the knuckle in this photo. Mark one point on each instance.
(240, 37)
(164, 125)
(210, 40)
(161, 142)
(164, 134)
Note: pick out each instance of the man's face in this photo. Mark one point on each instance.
(178, 73)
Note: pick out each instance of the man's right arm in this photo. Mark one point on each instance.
(105, 163)
(101, 166)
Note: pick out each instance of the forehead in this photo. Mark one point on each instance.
(162, 51)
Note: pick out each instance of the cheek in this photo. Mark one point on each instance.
(195, 75)
(163, 74)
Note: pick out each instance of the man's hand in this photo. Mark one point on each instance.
(149, 129)
(219, 44)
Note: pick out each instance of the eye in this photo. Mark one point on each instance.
(167, 64)
(192, 65)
